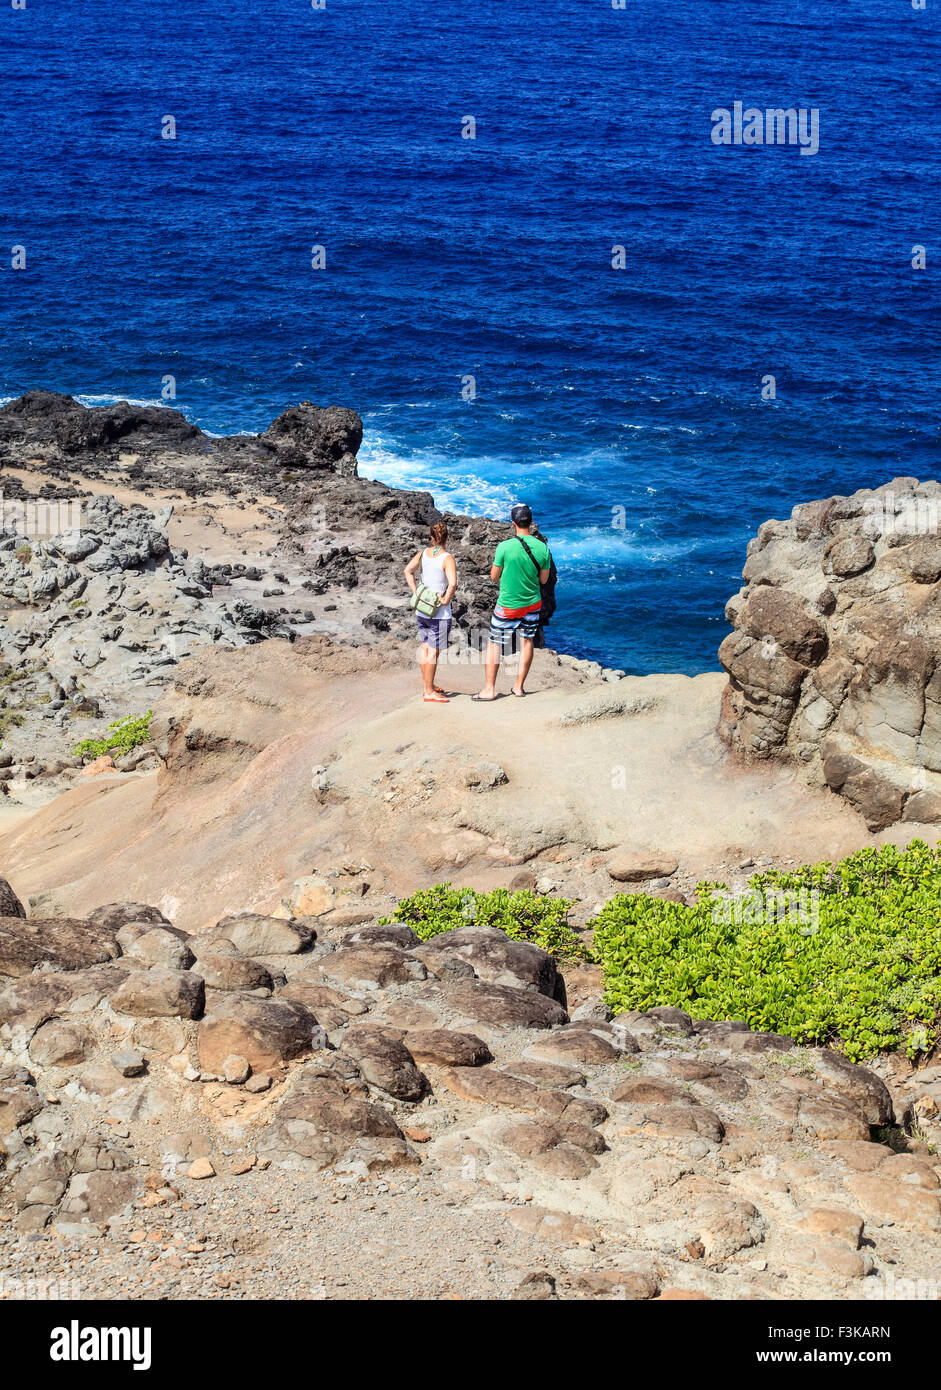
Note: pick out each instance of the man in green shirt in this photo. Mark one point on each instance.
(520, 566)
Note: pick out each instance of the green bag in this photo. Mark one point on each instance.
(425, 601)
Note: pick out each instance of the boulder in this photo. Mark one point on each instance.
(579, 1045)
(42, 1181)
(623, 1285)
(128, 1062)
(650, 1090)
(682, 1121)
(860, 1086)
(233, 972)
(383, 934)
(266, 1032)
(161, 947)
(560, 1227)
(500, 1088)
(371, 967)
(445, 1048)
(116, 915)
(312, 896)
(385, 1062)
(495, 958)
(318, 1123)
(883, 1201)
(531, 1138)
(320, 996)
(547, 1075)
(60, 1044)
(99, 1196)
(255, 935)
(723, 1226)
(10, 905)
(635, 866)
(836, 1223)
(66, 943)
(312, 436)
(828, 1117)
(724, 1082)
(236, 1070)
(503, 1006)
(19, 1103)
(132, 931)
(161, 993)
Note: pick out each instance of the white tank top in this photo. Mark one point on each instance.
(433, 576)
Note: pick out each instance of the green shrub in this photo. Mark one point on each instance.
(24, 553)
(861, 970)
(523, 916)
(122, 736)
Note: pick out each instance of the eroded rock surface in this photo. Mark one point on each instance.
(652, 1155)
(835, 657)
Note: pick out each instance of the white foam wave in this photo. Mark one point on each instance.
(612, 545)
(91, 401)
(467, 490)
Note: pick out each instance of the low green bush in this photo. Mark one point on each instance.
(856, 962)
(122, 736)
(524, 916)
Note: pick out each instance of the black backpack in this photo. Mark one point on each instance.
(547, 590)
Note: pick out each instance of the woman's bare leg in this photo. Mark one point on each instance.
(428, 660)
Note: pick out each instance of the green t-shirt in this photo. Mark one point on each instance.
(519, 582)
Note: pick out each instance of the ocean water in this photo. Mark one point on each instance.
(624, 404)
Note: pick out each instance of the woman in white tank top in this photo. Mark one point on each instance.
(438, 572)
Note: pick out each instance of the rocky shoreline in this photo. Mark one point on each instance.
(244, 1083)
(180, 540)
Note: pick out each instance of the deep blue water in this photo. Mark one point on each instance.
(597, 388)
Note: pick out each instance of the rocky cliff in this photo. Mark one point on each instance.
(343, 531)
(835, 660)
(129, 538)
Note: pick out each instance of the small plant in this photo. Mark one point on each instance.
(524, 916)
(10, 719)
(24, 553)
(867, 978)
(122, 736)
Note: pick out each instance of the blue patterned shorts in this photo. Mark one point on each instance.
(503, 630)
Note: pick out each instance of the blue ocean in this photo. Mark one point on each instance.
(539, 278)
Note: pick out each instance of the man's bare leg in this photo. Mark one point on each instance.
(492, 667)
(526, 660)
